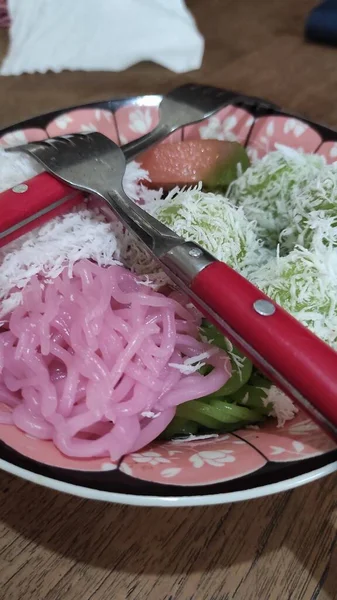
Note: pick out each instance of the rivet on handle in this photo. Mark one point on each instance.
(195, 252)
(264, 308)
(20, 189)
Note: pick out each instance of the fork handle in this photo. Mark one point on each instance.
(301, 364)
(32, 203)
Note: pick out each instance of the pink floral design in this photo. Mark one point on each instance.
(214, 458)
(84, 120)
(197, 462)
(22, 136)
(299, 438)
(329, 151)
(269, 131)
(150, 457)
(135, 121)
(230, 123)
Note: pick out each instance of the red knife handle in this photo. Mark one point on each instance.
(32, 203)
(294, 358)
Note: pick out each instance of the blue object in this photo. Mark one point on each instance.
(321, 25)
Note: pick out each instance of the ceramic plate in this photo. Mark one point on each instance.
(226, 468)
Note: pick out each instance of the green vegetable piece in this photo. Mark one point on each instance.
(257, 379)
(226, 171)
(253, 397)
(241, 365)
(205, 369)
(232, 413)
(216, 411)
(214, 335)
(195, 411)
(179, 427)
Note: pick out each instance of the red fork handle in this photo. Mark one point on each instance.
(32, 203)
(294, 358)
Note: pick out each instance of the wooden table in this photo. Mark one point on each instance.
(55, 547)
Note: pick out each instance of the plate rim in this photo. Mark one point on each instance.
(169, 501)
(54, 483)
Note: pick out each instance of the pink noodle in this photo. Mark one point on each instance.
(87, 360)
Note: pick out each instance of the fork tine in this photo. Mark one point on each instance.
(27, 147)
(72, 137)
(59, 141)
(52, 143)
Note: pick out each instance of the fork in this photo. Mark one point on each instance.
(190, 103)
(42, 197)
(295, 359)
(186, 104)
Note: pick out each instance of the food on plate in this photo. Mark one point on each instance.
(304, 282)
(210, 220)
(270, 188)
(247, 398)
(242, 367)
(98, 362)
(83, 233)
(216, 163)
(313, 207)
(102, 359)
(202, 217)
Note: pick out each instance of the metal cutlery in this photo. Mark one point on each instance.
(35, 201)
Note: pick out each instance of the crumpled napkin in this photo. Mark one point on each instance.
(100, 35)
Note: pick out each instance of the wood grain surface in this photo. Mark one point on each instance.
(56, 547)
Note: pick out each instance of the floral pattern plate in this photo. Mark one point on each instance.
(211, 469)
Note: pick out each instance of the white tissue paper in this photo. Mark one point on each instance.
(100, 35)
